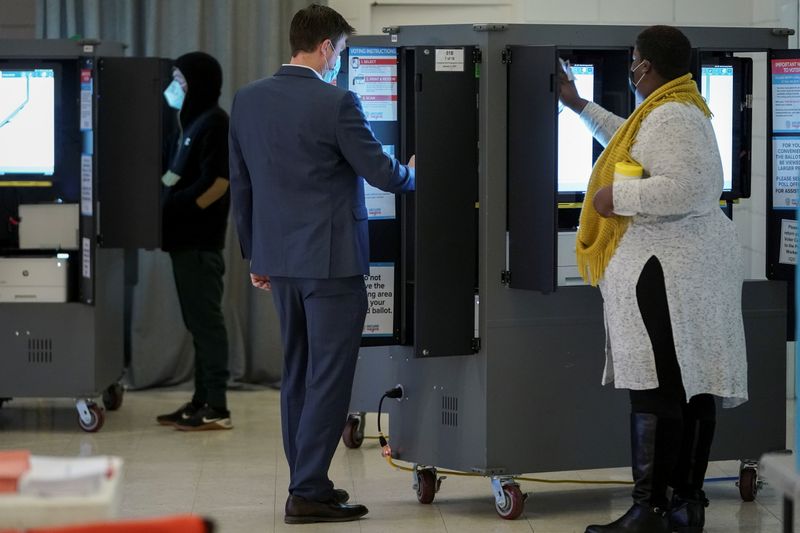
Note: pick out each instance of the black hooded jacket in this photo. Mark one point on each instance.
(199, 155)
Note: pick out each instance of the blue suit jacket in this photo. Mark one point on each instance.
(298, 147)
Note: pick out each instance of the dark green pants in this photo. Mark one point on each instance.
(198, 278)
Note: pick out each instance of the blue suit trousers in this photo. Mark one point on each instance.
(321, 325)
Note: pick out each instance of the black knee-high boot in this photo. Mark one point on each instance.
(687, 513)
(653, 453)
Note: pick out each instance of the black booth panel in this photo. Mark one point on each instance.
(446, 143)
(130, 126)
(742, 114)
(407, 113)
(532, 172)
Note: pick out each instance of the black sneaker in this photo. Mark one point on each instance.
(185, 412)
(206, 418)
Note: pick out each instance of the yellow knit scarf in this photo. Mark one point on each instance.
(598, 237)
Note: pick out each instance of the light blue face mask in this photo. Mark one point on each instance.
(174, 95)
(330, 75)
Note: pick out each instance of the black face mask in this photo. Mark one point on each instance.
(634, 84)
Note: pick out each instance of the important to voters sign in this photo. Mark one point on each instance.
(785, 95)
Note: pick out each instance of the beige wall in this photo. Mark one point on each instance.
(368, 16)
(17, 19)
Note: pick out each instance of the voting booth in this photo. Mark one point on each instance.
(80, 160)
(476, 308)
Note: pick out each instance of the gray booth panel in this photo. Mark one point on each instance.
(535, 403)
(58, 48)
(65, 349)
(48, 350)
(563, 419)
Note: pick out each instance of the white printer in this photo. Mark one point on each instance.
(567, 269)
(33, 279)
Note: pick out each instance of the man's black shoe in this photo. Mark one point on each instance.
(184, 412)
(206, 418)
(302, 511)
(340, 496)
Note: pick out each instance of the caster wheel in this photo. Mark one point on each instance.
(748, 483)
(112, 397)
(513, 503)
(353, 434)
(426, 486)
(97, 419)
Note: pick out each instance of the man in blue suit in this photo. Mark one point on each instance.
(299, 148)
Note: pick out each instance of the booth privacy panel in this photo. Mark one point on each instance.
(446, 126)
(130, 135)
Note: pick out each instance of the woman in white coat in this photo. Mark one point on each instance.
(670, 274)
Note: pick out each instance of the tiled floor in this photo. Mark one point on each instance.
(239, 477)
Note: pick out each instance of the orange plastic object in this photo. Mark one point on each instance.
(170, 524)
(13, 463)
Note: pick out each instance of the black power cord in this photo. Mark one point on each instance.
(395, 393)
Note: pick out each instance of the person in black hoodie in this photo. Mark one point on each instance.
(195, 214)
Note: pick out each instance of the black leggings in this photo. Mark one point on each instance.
(669, 399)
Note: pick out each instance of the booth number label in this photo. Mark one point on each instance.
(450, 60)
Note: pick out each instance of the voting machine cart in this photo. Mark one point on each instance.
(80, 160)
(476, 308)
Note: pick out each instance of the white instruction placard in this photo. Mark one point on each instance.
(785, 172)
(86, 253)
(372, 75)
(450, 60)
(380, 295)
(380, 204)
(87, 200)
(788, 255)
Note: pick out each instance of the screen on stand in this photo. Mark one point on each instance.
(27, 121)
(717, 89)
(575, 158)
